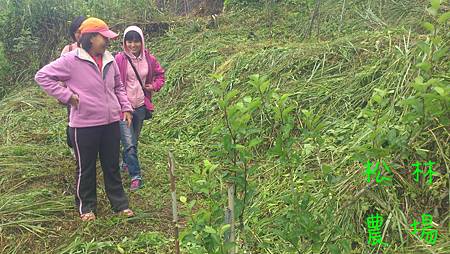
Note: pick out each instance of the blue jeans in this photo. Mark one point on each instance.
(129, 137)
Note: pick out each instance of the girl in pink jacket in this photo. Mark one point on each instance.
(142, 75)
(75, 35)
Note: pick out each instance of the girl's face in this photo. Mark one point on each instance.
(99, 44)
(77, 36)
(134, 47)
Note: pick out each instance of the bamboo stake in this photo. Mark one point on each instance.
(171, 170)
(229, 215)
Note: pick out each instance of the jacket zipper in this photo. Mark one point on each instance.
(104, 90)
(106, 94)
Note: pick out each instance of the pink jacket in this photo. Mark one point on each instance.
(155, 75)
(101, 93)
(69, 48)
(134, 90)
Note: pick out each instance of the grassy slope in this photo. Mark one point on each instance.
(333, 77)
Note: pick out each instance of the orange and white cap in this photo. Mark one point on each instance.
(95, 25)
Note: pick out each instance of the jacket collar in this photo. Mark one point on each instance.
(84, 55)
(140, 57)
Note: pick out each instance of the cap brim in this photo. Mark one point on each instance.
(109, 34)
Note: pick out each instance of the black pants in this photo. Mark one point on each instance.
(88, 143)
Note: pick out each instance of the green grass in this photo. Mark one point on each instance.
(334, 77)
(36, 189)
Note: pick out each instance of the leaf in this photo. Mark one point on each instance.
(240, 106)
(434, 109)
(425, 66)
(326, 169)
(424, 47)
(334, 249)
(435, 4)
(381, 92)
(247, 99)
(239, 181)
(276, 114)
(216, 129)
(192, 204)
(307, 149)
(419, 85)
(254, 76)
(221, 104)
(433, 12)
(183, 199)
(410, 101)
(245, 118)
(439, 54)
(232, 111)
(207, 163)
(277, 149)
(316, 245)
(440, 90)
(210, 230)
(225, 228)
(120, 249)
(254, 81)
(264, 86)
(436, 40)
(227, 143)
(419, 79)
(377, 98)
(230, 96)
(366, 113)
(216, 91)
(444, 17)
(284, 98)
(288, 110)
(428, 26)
(254, 142)
(254, 104)
(306, 113)
(240, 147)
(218, 77)
(228, 246)
(200, 182)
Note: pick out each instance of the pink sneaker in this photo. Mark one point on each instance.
(135, 184)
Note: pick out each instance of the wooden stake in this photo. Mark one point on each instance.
(171, 170)
(230, 216)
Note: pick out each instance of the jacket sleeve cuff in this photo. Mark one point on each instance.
(127, 108)
(65, 97)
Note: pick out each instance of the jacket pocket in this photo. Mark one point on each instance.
(78, 109)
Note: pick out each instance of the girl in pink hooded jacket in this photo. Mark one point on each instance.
(142, 75)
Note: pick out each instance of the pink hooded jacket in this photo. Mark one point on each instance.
(155, 76)
(101, 92)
